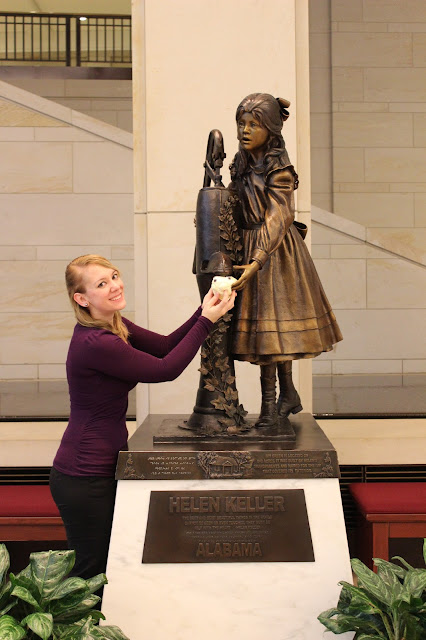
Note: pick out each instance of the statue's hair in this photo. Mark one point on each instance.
(75, 284)
(271, 113)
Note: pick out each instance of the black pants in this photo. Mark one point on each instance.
(86, 505)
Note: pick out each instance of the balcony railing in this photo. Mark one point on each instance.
(65, 39)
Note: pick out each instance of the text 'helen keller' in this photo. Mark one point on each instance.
(227, 504)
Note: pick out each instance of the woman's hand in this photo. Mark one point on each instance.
(213, 308)
(248, 273)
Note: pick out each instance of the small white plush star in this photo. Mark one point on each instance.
(222, 285)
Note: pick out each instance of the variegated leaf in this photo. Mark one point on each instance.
(26, 596)
(40, 623)
(10, 629)
(49, 568)
(4, 563)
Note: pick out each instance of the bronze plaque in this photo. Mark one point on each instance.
(228, 526)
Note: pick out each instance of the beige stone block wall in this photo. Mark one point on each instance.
(107, 100)
(64, 191)
(376, 150)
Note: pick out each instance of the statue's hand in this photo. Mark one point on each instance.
(248, 273)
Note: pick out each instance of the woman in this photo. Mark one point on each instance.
(282, 314)
(107, 357)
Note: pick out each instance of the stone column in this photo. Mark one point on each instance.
(193, 61)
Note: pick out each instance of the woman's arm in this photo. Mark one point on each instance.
(109, 354)
(155, 343)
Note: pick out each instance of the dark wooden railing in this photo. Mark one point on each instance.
(65, 39)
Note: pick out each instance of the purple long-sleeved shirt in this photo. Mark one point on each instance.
(101, 370)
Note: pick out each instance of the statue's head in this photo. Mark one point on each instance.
(269, 111)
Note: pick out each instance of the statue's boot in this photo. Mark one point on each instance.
(268, 412)
(289, 400)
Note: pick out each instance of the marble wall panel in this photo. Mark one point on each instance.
(33, 286)
(18, 371)
(324, 235)
(17, 134)
(95, 168)
(411, 27)
(390, 11)
(320, 130)
(323, 200)
(348, 83)
(333, 273)
(343, 10)
(319, 50)
(384, 165)
(320, 88)
(320, 251)
(420, 129)
(419, 49)
(372, 129)
(376, 209)
(365, 187)
(343, 367)
(395, 284)
(321, 367)
(321, 164)
(414, 366)
(184, 123)
(98, 88)
(319, 16)
(106, 116)
(46, 87)
(420, 209)
(66, 219)
(15, 115)
(405, 242)
(389, 85)
(372, 50)
(52, 371)
(363, 107)
(36, 167)
(348, 165)
(17, 253)
(377, 333)
(68, 253)
(362, 27)
(35, 338)
(64, 134)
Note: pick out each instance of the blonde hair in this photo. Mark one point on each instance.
(74, 283)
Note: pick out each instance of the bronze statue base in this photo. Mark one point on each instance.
(170, 432)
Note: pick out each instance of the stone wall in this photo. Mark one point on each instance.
(368, 156)
(65, 190)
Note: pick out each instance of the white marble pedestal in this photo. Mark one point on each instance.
(242, 601)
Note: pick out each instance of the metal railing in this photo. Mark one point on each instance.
(71, 40)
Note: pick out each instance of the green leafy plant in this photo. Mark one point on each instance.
(387, 605)
(41, 602)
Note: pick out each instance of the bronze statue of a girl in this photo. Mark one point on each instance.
(281, 313)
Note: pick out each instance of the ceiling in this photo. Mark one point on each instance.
(105, 7)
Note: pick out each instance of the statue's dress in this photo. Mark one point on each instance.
(283, 312)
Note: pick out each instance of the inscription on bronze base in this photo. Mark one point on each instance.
(228, 526)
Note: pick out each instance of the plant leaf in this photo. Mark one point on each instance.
(40, 623)
(339, 622)
(23, 594)
(68, 586)
(4, 563)
(415, 582)
(397, 570)
(390, 579)
(10, 629)
(48, 568)
(424, 550)
(413, 630)
(402, 561)
(112, 632)
(372, 582)
(78, 611)
(22, 581)
(367, 636)
(95, 583)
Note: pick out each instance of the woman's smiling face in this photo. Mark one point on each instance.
(252, 135)
(103, 292)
